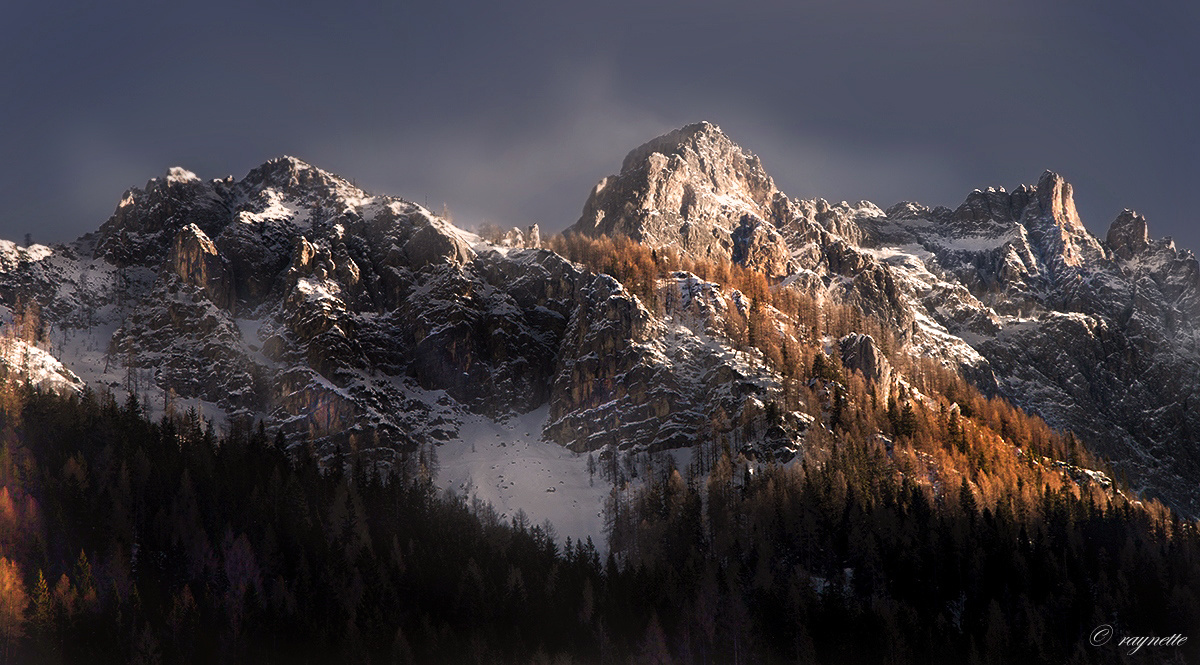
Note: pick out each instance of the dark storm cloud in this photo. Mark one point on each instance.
(511, 114)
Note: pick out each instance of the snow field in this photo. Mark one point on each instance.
(509, 465)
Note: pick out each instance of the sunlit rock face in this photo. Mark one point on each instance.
(693, 188)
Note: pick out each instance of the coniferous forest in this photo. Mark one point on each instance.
(127, 540)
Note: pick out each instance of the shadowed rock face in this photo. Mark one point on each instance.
(757, 244)
(146, 221)
(293, 295)
(1128, 235)
(860, 354)
(628, 379)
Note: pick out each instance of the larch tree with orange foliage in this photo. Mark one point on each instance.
(13, 601)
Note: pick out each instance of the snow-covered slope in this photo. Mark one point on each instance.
(26, 361)
(511, 466)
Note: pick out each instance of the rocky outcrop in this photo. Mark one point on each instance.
(1056, 201)
(860, 354)
(1128, 235)
(757, 244)
(147, 220)
(189, 345)
(195, 260)
(530, 238)
(1054, 227)
(432, 245)
(624, 381)
(603, 363)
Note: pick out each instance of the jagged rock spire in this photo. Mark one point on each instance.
(1128, 234)
(1056, 198)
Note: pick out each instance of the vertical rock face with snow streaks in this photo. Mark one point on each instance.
(629, 379)
(195, 260)
(860, 353)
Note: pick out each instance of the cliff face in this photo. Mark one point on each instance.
(361, 320)
(630, 379)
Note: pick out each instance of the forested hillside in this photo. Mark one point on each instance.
(126, 540)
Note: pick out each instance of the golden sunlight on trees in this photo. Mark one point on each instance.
(13, 601)
(938, 424)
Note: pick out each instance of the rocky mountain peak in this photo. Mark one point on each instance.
(298, 178)
(146, 220)
(701, 138)
(907, 210)
(692, 188)
(1042, 217)
(708, 153)
(1057, 201)
(1047, 212)
(987, 207)
(1128, 235)
(180, 175)
(286, 164)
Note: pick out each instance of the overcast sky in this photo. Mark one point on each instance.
(510, 115)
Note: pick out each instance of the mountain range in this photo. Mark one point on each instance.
(364, 323)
